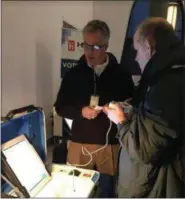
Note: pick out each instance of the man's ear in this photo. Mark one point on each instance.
(147, 43)
(106, 46)
(150, 44)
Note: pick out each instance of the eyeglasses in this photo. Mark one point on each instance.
(92, 47)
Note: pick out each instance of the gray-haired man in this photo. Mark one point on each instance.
(95, 81)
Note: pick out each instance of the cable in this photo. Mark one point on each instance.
(90, 154)
(83, 165)
(16, 189)
(74, 181)
(107, 140)
(128, 111)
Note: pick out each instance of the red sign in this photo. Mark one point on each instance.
(71, 45)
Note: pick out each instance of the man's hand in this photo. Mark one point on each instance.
(115, 114)
(89, 113)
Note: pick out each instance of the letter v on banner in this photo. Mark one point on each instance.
(72, 49)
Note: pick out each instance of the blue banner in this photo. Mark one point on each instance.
(67, 65)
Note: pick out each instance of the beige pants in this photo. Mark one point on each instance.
(104, 161)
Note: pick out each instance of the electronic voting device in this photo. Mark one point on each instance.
(64, 180)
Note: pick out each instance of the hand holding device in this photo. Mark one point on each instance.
(127, 108)
(115, 112)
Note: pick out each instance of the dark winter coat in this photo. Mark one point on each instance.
(152, 160)
(76, 90)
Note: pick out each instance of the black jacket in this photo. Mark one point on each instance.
(154, 139)
(75, 91)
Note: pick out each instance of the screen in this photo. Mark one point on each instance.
(26, 164)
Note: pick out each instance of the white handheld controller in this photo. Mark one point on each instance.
(112, 105)
(127, 108)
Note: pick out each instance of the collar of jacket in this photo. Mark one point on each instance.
(160, 63)
(164, 60)
(100, 68)
(112, 62)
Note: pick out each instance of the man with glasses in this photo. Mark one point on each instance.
(96, 80)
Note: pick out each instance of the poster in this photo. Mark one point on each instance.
(72, 49)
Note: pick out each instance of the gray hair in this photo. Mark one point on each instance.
(98, 25)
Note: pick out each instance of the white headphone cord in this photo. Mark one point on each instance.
(90, 154)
